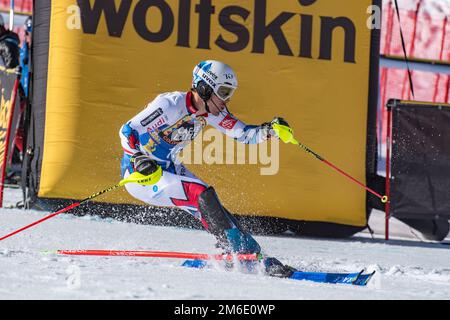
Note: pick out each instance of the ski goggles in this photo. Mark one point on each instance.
(224, 92)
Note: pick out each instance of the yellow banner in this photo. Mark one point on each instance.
(306, 61)
(7, 81)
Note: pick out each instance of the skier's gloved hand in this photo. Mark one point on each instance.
(269, 126)
(279, 120)
(143, 164)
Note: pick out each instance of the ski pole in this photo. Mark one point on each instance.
(287, 136)
(135, 177)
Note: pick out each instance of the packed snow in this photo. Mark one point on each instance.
(407, 267)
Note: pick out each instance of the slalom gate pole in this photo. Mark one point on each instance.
(286, 135)
(135, 177)
(161, 254)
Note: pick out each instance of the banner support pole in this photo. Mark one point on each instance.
(11, 15)
(387, 207)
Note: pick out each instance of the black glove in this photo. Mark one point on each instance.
(143, 164)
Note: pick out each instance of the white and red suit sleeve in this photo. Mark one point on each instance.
(236, 129)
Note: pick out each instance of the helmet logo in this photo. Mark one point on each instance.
(209, 80)
(212, 74)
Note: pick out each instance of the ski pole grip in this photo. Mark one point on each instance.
(285, 133)
(137, 177)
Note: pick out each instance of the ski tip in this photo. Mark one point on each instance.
(358, 276)
(369, 276)
(362, 279)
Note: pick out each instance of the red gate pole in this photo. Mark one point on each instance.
(385, 71)
(411, 48)
(441, 56)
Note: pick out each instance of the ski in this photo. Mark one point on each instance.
(247, 263)
(357, 278)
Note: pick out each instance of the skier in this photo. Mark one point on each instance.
(155, 136)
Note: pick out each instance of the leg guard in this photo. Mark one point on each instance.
(224, 226)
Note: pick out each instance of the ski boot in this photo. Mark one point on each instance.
(230, 237)
(275, 268)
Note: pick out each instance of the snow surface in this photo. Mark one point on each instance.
(407, 268)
